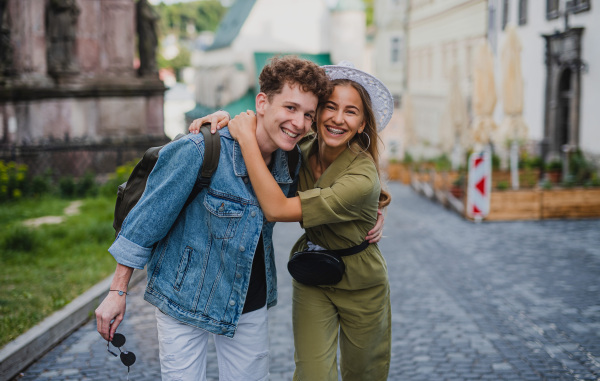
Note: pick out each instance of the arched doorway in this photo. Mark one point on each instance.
(565, 95)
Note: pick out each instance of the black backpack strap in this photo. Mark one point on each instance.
(212, 151)
(293, 157)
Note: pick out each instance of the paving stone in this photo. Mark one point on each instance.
(489, 301)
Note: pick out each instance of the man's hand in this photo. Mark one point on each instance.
(110, 314)
(111, 311)
(376, 233)
(217, 120)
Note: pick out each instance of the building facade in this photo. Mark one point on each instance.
(254, 30)
(559, 49)
(561, 41)
(389, 64)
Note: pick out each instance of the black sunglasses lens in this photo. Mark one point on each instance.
(127, 358)
(118, 340)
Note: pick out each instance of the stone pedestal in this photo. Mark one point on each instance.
(96, 95)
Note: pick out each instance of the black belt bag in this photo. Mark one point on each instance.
(321, 267)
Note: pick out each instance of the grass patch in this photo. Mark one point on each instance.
(45, 268)
(31, 208)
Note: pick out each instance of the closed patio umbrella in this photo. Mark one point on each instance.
(513, 128)
(410, 136)
(484, 96)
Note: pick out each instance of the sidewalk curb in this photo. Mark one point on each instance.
(30, 346)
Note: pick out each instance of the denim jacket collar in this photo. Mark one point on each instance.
(279, 170)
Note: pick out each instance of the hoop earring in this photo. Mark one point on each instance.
(364, 150)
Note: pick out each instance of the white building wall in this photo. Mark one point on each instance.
(347, 38)
(534, 68)
(389, 65)
(440, 34)
(271, 26)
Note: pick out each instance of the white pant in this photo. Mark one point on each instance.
(244, 357)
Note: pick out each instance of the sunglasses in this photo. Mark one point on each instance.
(127, 358)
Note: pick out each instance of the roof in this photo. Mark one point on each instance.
(247, 101)
(232, 23)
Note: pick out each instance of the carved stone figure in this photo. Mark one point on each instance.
(6, 51)
(61, 32)
(147, 20)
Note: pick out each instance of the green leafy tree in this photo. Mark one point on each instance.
(202, 15)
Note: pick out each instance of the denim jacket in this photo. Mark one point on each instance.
(199, 259)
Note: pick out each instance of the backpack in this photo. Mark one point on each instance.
(130, 192)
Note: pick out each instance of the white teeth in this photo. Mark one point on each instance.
(288, 133)
(335, 131)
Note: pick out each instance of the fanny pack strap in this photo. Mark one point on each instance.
(351, 250)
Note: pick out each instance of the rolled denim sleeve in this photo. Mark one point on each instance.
(168, 187)
(341, 202)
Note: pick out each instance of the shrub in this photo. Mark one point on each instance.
(442, 163)
(554, 165)
(502, 185)
(120, 176)
(39, 185)
(86, 186)
(66, 187)
(12, 180)
(19, 238)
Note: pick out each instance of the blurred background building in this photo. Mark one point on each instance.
(252, 31)
(465, 74)
(490, 72)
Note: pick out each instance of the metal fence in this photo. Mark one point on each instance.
(61, 159)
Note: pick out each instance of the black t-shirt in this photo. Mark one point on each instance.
(256, 297)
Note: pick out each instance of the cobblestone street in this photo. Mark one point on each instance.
(489, 301)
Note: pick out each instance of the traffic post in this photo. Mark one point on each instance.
(479, 185)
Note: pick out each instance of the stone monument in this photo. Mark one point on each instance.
(147, 20)
(67, 74)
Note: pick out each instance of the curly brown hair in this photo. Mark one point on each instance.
(293, 70)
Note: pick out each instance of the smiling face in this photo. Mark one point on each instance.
(341, 117)
(285, 118)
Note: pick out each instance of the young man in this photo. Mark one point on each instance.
(211, 267)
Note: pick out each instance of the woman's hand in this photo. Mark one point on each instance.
(243, 126)
(217, 121)
(376, 233)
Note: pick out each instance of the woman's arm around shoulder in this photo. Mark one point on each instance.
(275, 205)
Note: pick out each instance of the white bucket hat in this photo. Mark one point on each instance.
(381, 98)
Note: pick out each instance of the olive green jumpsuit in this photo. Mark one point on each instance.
(337, 212)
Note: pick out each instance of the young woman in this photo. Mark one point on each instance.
(337, 203)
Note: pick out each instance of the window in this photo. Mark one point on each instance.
(504, 13)
(492, 26)
(397, 100)
(552, 9)
(395, 50)
(523, 12)
(580, 5)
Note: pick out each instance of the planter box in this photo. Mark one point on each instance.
(444, 180)
(399, 172)
(511, 205)
(571, 203)
(536, 204)
(528, 178)
(515, 205)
